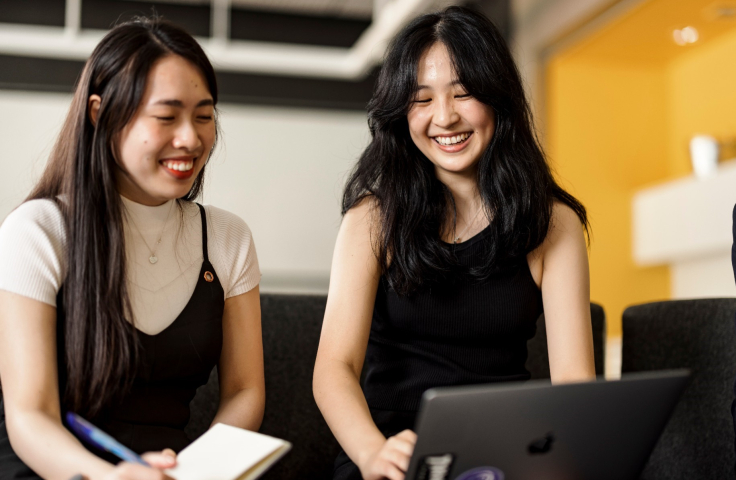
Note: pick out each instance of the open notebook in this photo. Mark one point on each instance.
(228, 453)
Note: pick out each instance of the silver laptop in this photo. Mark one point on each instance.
(536, 431)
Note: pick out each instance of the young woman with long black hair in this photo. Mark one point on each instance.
(118, 293)
(455, 239)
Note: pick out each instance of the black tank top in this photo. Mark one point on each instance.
(173, 364)
(457, 332)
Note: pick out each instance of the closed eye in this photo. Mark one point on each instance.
(426, 100)
(465, 95)
(165, 119)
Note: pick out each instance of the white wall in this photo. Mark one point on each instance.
(282, 170)
(29, 124)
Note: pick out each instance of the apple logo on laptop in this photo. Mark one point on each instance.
(542, 445)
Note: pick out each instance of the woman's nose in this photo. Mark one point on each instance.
(187, 137)
(445, 114)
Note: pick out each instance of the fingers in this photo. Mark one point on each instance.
(131, 471)
(392, 472)
(168, 451)
(163, 459)
(396, 454)
(408, 435)
(404, 442)
(392, 459)
(398, 458)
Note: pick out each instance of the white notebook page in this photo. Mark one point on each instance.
(226, 453)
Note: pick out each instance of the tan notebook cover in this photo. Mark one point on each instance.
(228, 453)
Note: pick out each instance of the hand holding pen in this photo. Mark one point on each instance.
(132, 471)
(133, 467)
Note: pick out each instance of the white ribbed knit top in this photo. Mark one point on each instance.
(33, 264)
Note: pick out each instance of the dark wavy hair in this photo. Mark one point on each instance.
(412, 206)
(101, 345)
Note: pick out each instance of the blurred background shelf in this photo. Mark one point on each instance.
(686, 224)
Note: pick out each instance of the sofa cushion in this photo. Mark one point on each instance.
(698, 442)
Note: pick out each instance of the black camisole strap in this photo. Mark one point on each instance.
(204, 233)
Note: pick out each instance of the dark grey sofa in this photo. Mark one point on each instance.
(698, 442)
(291, 329)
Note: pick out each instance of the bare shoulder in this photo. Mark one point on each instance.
(565, 236)
(364, 213)
(362, 222)
(564, 224)
(355, 256)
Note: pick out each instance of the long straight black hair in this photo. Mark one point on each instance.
(412, 206)
(99, 336)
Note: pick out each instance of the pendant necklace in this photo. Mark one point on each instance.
(457, 238)
(153, 258)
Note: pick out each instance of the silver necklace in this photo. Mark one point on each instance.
(153, 258)
(467, 226)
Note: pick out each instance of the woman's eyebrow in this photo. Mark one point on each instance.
(178, 103)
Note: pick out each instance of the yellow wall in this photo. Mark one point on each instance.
(614, 126)
(606, 136)
(702, 98)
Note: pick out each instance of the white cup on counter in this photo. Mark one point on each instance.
(704, 151)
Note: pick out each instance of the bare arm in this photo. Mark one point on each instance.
(28, 371)
(242, 384)
(345, 330)
(565, 283)
(31, 392)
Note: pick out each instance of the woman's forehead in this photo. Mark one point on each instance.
(436, 67)
(175, 79)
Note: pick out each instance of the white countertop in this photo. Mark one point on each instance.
(685, 219)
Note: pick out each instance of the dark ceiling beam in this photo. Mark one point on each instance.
(265, 26)
(24, 73)
(53, 75)
(104, 14)
(36, 12)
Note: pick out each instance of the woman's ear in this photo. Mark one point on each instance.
(93, 108)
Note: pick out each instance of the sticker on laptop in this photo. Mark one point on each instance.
(435, 467)
(482, 473)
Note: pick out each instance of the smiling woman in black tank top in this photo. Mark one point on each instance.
(118, 293)
(455, 238)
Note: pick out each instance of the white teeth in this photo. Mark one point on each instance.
(179, 166)
(452, 140)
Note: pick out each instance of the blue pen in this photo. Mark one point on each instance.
(101, 440)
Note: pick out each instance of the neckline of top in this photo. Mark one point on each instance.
(147, 213)
(471, 241)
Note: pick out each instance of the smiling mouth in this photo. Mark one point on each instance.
(178, 165)
(179, 168)
(458, 139)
